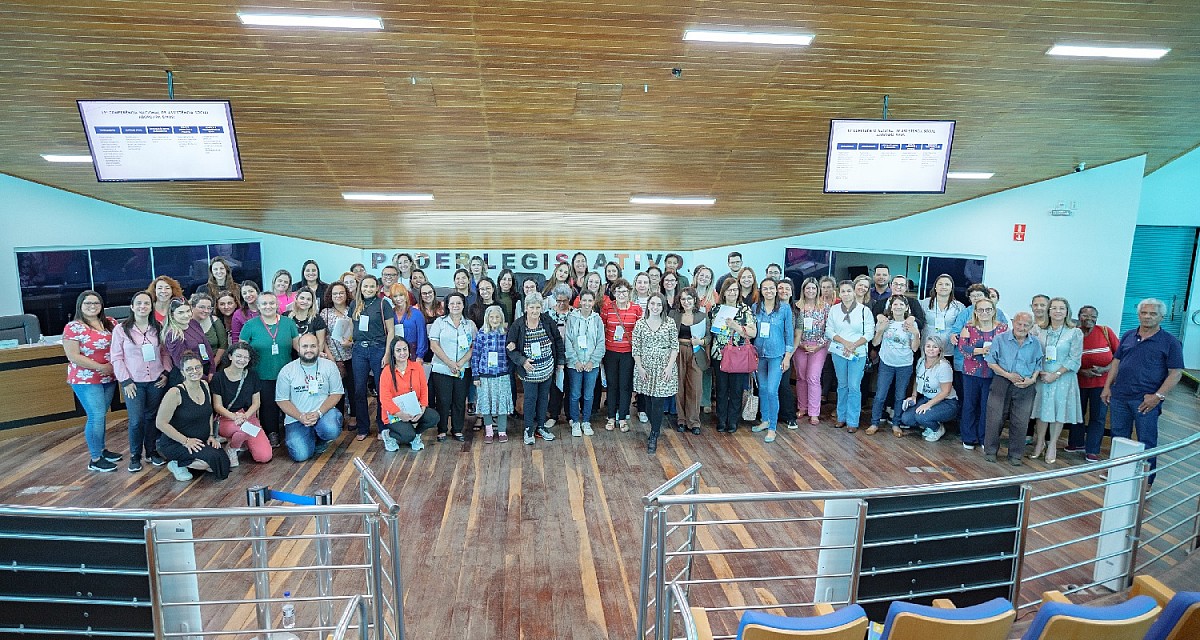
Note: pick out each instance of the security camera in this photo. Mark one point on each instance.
(1080, 167)
(677, 72)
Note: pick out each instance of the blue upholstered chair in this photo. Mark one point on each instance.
(1058, 619)
(991, 620)
(1180, 619)
(847, 623)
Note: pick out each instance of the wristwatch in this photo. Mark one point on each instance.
(1160, 397)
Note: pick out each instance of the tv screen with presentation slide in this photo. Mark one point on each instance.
(888, 156)
(145, 140)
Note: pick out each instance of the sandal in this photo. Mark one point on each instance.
(360, 437)
(898, 432)
(814, 421)
(871, 429)
(624, 425)
(850, 429)
(608, 426)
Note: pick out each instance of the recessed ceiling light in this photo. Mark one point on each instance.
(748, 37)
(380, 197)
(1138, 53)
(969, 175)
(309, 21)
(50, 157)
(668, 200)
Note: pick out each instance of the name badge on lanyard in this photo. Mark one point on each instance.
(203, 351)
(940, 323)
(364, 322)
(314, 385)
(463, 342)
(618, 333)
(535, 349)
(493, 359)
(400, 330)
(274, 349)
(1052, 352)
(149, 353)
(582, 342)
(764, 329)
(808, 324)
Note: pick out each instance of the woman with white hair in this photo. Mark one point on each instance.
(535, 348)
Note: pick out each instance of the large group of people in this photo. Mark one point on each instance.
(237, 369)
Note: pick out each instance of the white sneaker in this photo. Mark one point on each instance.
(389, 443)
(968, 447)
(233, 456)
(181, 474)
(643, 417)
(587, 428)
(549, 424)
(416, 444)
(934, 436)
(528, 438)
(576, 430)
(545, 434)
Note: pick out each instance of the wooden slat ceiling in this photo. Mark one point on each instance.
(533, 122)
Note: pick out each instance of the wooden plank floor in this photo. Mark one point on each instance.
(516, 541)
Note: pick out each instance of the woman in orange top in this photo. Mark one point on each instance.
(402, 375)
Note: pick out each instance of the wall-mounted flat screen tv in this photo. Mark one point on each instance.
(888, 156)
(147, 140)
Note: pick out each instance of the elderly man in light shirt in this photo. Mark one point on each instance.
(1015, 357)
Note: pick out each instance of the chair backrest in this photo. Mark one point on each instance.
(1180, 619)
(119, 312)
(847, 623)
(991, 620)
(1128, 620)
(25, 329)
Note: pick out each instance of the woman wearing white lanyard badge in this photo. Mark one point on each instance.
(373, 319)
(584, 343)
(848, 328)
(619, 316)
(811, 312)
(535, 348)
(214, 330)
(271, 336)
(180, 334)
(941, 309)
(1057, 399)
(450, 339)
(139, 360)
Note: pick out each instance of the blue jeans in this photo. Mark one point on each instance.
(887, 376)
(302, 441)
(95, 400)
(537, 398)
(943, 411)
(1090, 434)
(849, 390)
(143, 410)
(1125, 416)
(973, 425)
(582, 385)
(366, 360)
(768, 390)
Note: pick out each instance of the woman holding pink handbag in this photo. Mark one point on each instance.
(732, 326)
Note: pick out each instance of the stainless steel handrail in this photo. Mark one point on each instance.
(343, 623)
(194, 514)
(909, 490)
(368, 477)
(672, 483)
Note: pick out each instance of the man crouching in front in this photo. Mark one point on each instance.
(307, 392)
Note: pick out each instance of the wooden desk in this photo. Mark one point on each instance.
(34, 395)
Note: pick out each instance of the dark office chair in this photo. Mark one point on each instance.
(24, 328)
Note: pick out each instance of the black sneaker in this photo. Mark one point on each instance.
(110, 456)
(101, 465)
(157, 460)
(135, 466)
(273, 438)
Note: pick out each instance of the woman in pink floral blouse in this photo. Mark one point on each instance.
(87, 340)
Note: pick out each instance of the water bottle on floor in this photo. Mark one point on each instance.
(288, 621)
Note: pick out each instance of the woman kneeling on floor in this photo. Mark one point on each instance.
(188, 440)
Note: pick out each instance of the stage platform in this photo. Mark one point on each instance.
(544, 541)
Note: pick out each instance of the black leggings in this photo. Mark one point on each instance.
(452, 401)
(268, 411)
(618, 368)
